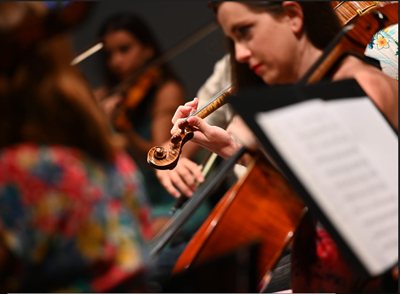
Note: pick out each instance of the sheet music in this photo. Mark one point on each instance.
(346, 156)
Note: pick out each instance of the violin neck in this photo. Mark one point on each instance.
(216, 102)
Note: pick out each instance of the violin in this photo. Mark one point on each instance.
(135, 87)
(348, 11)
(158, 157)
(133, 96)
(353, 39)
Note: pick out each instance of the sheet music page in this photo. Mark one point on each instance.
(346, 156)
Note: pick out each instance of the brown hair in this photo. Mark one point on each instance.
(42, 98)
(320, 24)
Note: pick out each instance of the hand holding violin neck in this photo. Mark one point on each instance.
(158, 157)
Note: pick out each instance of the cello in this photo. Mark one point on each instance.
(318, 71)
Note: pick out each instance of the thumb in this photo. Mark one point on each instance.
(198, 123)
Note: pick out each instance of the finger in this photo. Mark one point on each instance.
(176, 128)
(192, 103)
(166, 181)
(188, 178)
(198, 123)
(181, 185)
(181, 112)
(194, 106)
(195, 170)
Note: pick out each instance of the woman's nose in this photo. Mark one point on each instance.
(242, 53)
(116, 60)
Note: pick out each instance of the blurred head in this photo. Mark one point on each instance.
(128, 43)
(275, 41)
(44, 99)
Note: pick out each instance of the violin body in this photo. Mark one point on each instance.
(347, 11)
(133, 96)
(269, 211)
(355, 38)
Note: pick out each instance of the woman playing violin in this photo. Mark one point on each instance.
(276, 43)
(143, 112)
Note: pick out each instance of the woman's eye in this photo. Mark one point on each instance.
(124, 49)
(244, 31)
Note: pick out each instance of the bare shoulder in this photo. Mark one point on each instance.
(170, 87)
(377, 84)
(170, 95)
(383, 90)
(380, 87)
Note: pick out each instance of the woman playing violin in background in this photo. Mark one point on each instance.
(276, 43)
(143, 112)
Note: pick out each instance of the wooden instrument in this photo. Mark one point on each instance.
(158, 157)
(134, 87)
(262, 207)
(133, 96)
(353, 39)
(347, 11)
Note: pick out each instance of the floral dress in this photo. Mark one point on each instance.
(69, 221)
(384, 47)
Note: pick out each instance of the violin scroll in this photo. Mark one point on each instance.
(158, 157)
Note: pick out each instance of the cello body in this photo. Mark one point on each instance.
(262, 207)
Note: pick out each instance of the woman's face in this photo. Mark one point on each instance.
(266, 43)
(125, 53)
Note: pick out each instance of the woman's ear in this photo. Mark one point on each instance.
(295, 14)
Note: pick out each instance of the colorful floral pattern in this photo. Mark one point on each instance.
(384, 47)
(62, 211)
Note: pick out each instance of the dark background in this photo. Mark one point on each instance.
(172, 22)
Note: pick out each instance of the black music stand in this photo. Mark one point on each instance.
(275, 108)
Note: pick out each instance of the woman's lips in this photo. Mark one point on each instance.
(256, 68)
